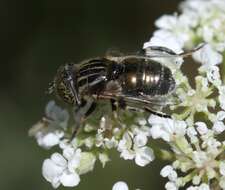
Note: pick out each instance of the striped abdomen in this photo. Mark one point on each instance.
(146, 77)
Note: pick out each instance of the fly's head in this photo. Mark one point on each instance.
(63, 85)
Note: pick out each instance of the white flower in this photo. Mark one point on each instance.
(191, 188)
(144, 155)
(50, 130)
(218, 125)
(142, 121)
(140, 140)
(209, 16)
(171, 186)
(110, 143)
(124, 146)
(222, 182)
(167, 22)
(101, 140)
(165, 128)
(179, 27)
(208, 57)
(222, 168)
(89, 142)
(203, 186)
(120, 185)
(69, 179)
(48, 140)
(192, 134)
(55, 170)
(201, 128)
(104, 158)
(222, 97)
(196, 180)
(200, 158)
(165, 39)
(169, 172)
(134, 148)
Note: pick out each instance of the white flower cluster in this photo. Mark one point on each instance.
(50, 130)
(200, 21)
(196, 149)
(196, 140)
(194, 133)
(66, 168)
(133, 145)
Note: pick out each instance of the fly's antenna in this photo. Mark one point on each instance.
(189, 53)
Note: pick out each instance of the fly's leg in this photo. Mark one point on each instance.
(159, 51)
(71, 84)
(121, 104)
(160, 114)
(113, 106)
(137, 104)
(144, 106)
(81, 113)
(117, 105)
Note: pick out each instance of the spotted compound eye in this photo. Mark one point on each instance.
(65, 93)
(62, 88)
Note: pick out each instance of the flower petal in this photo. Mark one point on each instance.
(70, 179)
(144, 156)
(120, 185)
(51, 171)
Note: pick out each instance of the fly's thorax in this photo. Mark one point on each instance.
(92, 76)
(146, 77)
(114, 70)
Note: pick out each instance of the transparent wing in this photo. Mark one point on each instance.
(138, 103)
(153, 101)
(113, 52)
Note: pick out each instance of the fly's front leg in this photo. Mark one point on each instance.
(81, 113)
(72, 84)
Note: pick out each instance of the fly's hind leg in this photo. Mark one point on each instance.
(113, 106)
(80, 113)
(117, 106)
(160, 114)
(160, 51)
(121, 104)
(150, 107)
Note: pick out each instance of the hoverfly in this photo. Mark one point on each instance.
(135, 81)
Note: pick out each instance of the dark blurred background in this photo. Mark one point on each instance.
(36, 37)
